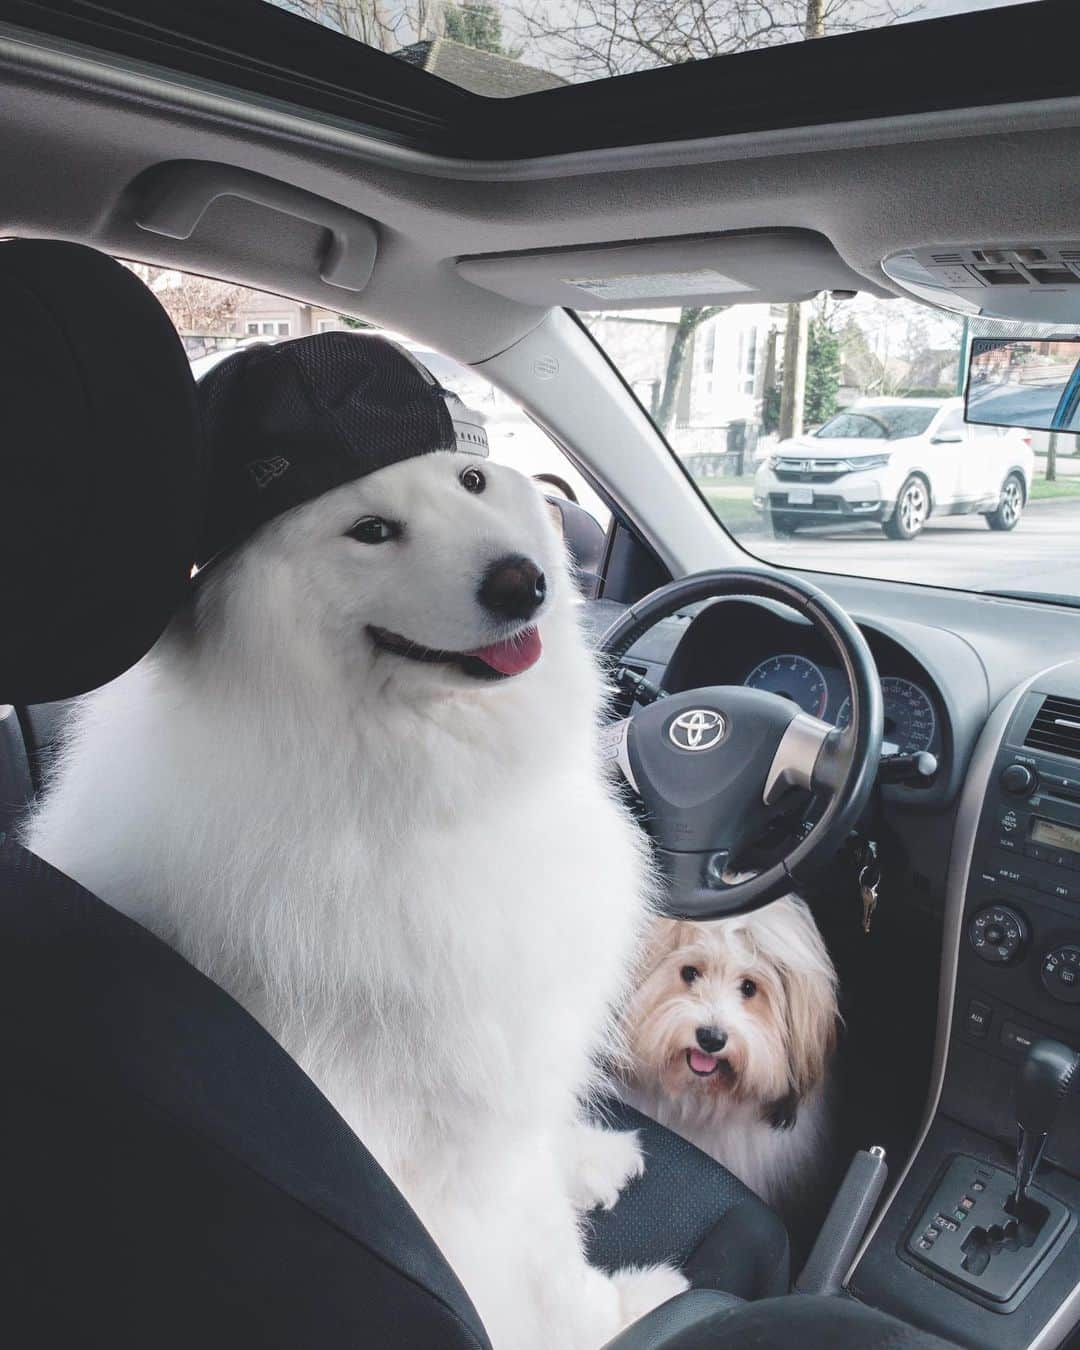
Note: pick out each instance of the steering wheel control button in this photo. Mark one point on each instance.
(998, 934)
(1019, 780)
(1060, 973)
(977, 1019)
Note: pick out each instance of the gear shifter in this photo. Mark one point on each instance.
(1041, 1086)
(990, 1232)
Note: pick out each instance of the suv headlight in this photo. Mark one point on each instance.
(857, 462)
(774, 461)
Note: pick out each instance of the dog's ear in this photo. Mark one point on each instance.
(662, 937)
(811, 1023)
(783, 1113)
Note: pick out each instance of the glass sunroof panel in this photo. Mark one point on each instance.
(504, 48)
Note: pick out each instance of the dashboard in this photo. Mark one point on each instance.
(910, 719)
(762, 646)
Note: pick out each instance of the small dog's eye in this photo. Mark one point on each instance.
(690, 974)
(748, 988)
(374, 530)
(472, 480)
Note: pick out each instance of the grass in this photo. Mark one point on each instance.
(1042, 491)
(736, 513)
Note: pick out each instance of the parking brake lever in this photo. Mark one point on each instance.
(1042, 1084)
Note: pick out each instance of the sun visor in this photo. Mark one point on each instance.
(749, 267)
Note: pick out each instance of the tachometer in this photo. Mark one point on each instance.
(793, 677)
(909, 717)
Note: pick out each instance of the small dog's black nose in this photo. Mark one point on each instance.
(711, 1040)
(513, 587)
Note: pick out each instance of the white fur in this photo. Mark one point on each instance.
(780, 1040)
(418, 882)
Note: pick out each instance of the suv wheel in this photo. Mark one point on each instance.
(912, 509)
(1010, 507)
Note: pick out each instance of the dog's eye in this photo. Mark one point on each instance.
(472, 480)
(374, 530)
(690, 974)
(748, 988)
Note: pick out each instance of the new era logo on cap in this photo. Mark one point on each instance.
(264, 471)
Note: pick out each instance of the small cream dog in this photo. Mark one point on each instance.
(731, 1032)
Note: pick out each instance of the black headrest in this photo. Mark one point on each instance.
(98, 458)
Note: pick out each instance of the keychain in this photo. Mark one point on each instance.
(869, 879)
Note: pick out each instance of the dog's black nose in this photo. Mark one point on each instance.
(513, 587)
(711, 1040)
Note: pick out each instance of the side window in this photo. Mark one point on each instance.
(514, 438)
(213, 318)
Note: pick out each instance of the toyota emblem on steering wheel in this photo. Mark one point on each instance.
(696, 729)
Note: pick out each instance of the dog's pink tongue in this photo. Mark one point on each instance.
(702, 1063)
(514, 655)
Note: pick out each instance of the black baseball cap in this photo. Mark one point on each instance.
(285, 423)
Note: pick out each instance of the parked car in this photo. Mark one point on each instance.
(896, 461)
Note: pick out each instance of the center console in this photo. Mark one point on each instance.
(955, 1249)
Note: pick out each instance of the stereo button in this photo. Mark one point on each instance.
(998, 934)
(977, 1019)
(1060, 973)
(1018, 780)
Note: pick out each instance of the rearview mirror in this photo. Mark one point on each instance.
(1024, 382)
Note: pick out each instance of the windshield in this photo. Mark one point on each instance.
(877, 423)
(764, 404)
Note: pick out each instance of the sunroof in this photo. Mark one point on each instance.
(505, 48)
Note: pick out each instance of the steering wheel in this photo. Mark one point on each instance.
(714, 767)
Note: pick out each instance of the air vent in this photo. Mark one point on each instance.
(1070, 255)
(1056, 727)
(947, 258)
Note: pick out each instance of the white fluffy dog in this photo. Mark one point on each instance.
(318, 788)
(731, 1032)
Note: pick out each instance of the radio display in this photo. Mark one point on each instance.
(1057, 835)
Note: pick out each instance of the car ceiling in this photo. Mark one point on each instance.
(85, 134)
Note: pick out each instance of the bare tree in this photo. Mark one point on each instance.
(380, 23)
(195, 304)
(593, 38)
(690, 320)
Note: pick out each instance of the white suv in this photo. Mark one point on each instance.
(895, 461)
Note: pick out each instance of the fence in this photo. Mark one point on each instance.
(722, 451)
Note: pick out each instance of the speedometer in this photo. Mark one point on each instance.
(792, 677)
(909, 717)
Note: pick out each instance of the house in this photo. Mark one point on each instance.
(478, 71)
(723, 377)
(272, 316)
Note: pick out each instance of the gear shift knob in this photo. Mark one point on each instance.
(1041, 1086)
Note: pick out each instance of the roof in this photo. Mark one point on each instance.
(478, 71)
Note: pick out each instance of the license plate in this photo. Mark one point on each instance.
(801, 496)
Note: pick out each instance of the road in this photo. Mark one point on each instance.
(1018, 405)
(1041, 554)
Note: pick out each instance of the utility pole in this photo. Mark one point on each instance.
(1051, 457)
(793, 394)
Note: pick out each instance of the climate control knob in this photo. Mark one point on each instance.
(1060, 973)
(1019, 780)
(998, 934)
